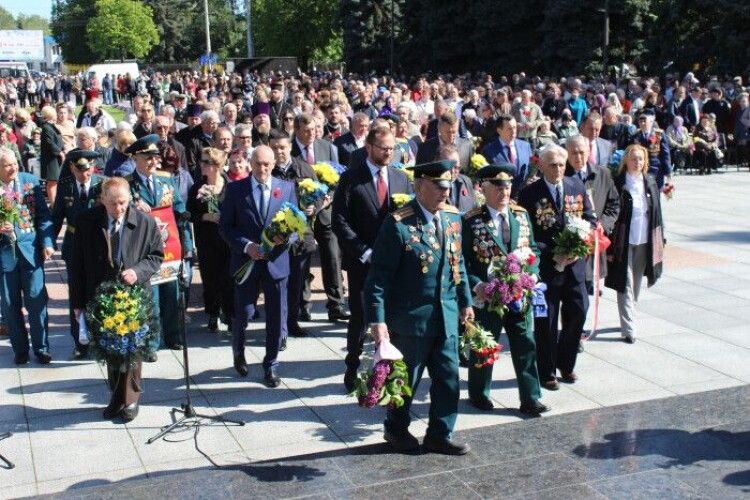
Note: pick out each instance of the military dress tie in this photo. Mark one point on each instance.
(505, 230)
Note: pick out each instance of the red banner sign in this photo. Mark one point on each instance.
(170, 237)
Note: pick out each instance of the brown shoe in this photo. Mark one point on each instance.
(569, 378)
(551, 385)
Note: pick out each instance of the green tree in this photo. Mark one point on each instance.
(227, 31)
(68, 26)
(305, 30)
(33, 22)
(368, 26)
(7, 22)
(175, 33)
(121, 28)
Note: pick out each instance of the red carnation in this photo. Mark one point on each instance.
(532, 258)
(277, 193)
(464, 192)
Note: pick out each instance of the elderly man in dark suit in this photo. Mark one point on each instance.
(311, 150)
(507, 149)
(361, 203)
(114, 241)
(461, 193)
(441, 107)
(249, 206)
(448, 125)
(353, 139)
(551, 201)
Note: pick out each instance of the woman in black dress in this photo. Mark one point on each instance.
(204, 202)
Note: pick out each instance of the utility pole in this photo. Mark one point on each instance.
(208, 28)
(605, 51)
(248, 13)
(392, 37)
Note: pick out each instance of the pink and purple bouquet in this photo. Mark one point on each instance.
(386, 383)
(510, 284)
(9, 210)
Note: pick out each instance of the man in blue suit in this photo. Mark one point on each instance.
(507, 149)
(249, 206)
(551, 201)
(75, 195)
(153, 188)
(24, 246)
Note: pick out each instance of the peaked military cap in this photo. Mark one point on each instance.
(498, 173)
(81, 159)
(438, 172)
(144, 146)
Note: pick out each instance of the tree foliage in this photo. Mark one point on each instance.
(175, 34)
(121, 28)
(7, 21)
(68, 26)
(33, 22)
(367, 29)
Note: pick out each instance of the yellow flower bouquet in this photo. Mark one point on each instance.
(328, 173)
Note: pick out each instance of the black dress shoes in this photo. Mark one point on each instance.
(534, 408)
(111, 412)
(240, 365)
(297, 331)
(129, 413)
(150, 358)
(569, 378)
(21, 358)
(629, 340)
(401, 441)
(445, 446)
(282, 345)
(176, 347)
(551, 385)
(81, 352)
(304, 315)
(349, 378)
(271, 379)
(338, 314)
(482, 403)
(43, 357)
(213, 324)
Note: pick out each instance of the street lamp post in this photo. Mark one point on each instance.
(249, 10)
(605, 50)
(208, 28)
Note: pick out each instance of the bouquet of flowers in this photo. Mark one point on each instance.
(386, 383)
(119, 322)
(207, 195)
(476, 162)
(668, 190)
(615, 160)
(310, 192)
(405, 169)
(575, 240)
(329, 173)
(510, 284)
(481, 343)
(400, 199)
(9, 200)
(287, 221)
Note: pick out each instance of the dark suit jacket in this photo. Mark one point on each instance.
(687, 111)
(357, 157)
(496, 152)
(52, 144)
(197, 142)
(297, 171)
(345, 145)
(142, 250)
(428, 151)
(322, 150)
(464, 189)
(356, 214)
(432, 129)
(141, 131)
(547, 222)
(240, 222)
(68, 206)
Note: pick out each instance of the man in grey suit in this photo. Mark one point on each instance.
(461, 194)
(311, 150)
(447, 134)
(600, 150)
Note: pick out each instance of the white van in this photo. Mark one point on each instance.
(113, 69)
(15, 69)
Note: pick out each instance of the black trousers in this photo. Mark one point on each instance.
(299, 269)
(330, 265)
(557, 348)
(356, 329)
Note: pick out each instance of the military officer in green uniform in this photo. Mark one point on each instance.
(490, 231)
(75, 195)
(151, 188)
(415, 294)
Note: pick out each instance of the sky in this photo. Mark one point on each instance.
(28, 7)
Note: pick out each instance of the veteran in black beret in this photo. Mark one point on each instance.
(76, 194)
(415, 295)
(491, 231)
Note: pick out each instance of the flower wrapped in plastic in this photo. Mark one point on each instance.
(481, 343)
(288, 221)
(668, 190)
(476, 162)
(329, 173)
(386, 383)
(119, 322)
(207, 195)
(400, 199)
(615, 160)
(9, 210)
(310, 192)
(510, 284)
(575, 240)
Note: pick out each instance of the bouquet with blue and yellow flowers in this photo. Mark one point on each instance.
(329, 173)
(119, 321)
(310, 192)
(288, 221)
(400, 199)
(407, 169)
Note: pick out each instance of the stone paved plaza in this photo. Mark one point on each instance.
(682, 429)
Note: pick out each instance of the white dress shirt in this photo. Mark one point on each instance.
(639, 218)
(553, 191)
(495, 215)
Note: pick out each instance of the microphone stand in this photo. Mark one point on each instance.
(190, 418)
(9, 464)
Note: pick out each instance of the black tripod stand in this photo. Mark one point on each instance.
(9, 464)
(189, 418)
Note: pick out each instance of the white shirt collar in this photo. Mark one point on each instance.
(495, 213)
(257, 183)
(429, 215)
(374, 171)
(553, 187)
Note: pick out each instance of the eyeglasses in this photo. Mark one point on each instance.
(288, 118)
(207, 162)
(383, 148)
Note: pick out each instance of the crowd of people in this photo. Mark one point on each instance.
(225, 151)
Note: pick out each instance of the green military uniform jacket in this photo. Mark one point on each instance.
(68, 206)
(482, 244)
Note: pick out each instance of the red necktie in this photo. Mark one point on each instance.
(310, 158)
(382, 188)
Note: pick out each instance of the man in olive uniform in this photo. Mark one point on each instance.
(75, 195)
(489, 232)
(414, 296)
(152, 188)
